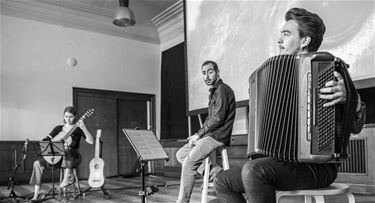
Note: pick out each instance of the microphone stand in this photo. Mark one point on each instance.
(11, 183)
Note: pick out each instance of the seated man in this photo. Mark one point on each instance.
(260, 178)
(215, 132)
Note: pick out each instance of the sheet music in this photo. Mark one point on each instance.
(145, 144)
(49, 148)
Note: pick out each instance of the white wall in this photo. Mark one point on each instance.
(36, 82)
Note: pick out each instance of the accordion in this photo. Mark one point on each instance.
(287, 119)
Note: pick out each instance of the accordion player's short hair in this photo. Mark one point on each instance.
(309, 24)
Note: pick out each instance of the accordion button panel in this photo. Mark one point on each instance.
(308, 106)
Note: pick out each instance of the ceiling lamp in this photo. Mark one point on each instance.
(124, 17)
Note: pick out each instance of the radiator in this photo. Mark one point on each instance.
(357, 161)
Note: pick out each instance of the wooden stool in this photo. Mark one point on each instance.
(75, 186)
(224, 157)
(318, 194)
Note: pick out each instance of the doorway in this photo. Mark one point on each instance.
(114, 111)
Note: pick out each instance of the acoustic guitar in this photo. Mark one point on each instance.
(96, 178)
(66, 137)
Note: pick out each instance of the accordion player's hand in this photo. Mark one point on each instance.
(334, 91)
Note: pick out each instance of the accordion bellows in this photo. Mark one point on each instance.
(287, 119)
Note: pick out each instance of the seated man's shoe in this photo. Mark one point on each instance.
(213, 172)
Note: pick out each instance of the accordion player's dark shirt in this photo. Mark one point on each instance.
(360, 119)
(221, 113)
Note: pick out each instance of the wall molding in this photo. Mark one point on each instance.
(170, 25)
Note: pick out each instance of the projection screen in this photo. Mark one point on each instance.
(240, 35)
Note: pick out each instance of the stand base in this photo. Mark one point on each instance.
(69, 193)
(14, 196)
(106, 195)
(53, 193)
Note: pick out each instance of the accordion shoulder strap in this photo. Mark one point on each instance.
(349, 106)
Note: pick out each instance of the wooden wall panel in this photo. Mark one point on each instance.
(6, 158)
(11, 154)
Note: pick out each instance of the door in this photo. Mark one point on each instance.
(113, 111)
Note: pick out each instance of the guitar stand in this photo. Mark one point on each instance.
(106, 195)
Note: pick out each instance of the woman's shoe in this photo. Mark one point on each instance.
(41, 196)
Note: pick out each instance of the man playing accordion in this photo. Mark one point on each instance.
(259, 178)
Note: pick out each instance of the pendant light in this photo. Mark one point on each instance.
(124, 17)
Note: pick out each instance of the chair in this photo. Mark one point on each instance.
(63, 192)
(225, 162)
(318, 194)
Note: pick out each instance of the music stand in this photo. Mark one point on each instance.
(52, 149)
(147, 148)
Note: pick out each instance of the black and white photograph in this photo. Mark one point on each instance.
(200, 101)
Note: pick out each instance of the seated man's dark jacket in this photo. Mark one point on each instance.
(221, 113)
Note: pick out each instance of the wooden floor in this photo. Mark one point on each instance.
(126, 190)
